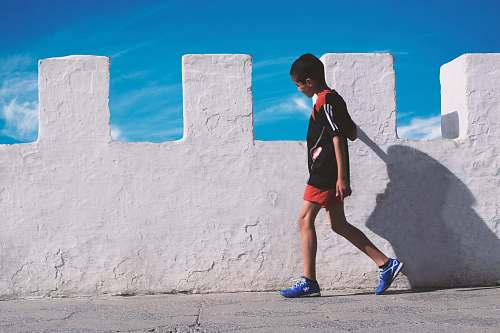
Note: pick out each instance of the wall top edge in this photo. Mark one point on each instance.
(75, 57)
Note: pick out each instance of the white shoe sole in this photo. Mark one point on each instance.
(312, 295)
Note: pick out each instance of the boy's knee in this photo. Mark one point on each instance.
(340, 226)
(306, 221)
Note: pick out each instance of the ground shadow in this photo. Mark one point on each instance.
(427, 216)
(390, 292)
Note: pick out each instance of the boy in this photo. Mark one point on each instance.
(329, 183)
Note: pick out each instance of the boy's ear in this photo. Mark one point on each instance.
(309, 82)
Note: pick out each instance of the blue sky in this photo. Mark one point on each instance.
(146, 40)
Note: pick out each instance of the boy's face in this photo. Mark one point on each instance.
(305, 88)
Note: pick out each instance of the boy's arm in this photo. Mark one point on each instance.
(342, 117)
(354, 134)
(342, 186)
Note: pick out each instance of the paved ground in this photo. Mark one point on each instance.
(453, 310)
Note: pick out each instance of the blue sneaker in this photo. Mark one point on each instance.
(388, 275)
(304, 288)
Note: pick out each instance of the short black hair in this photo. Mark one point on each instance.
(308, 66)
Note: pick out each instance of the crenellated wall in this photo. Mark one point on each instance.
(81, 214)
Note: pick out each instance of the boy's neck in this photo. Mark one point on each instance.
(321, 88)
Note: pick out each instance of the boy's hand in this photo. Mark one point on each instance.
(342, 188)
(354, 135)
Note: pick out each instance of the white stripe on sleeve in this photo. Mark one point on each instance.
(329, 112)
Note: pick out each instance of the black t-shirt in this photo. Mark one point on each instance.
(328, 119)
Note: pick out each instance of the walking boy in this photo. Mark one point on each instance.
(328, 160)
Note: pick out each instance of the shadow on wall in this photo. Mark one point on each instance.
(426, 214)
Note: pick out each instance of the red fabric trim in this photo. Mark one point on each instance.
(320, 101)
(322, 197)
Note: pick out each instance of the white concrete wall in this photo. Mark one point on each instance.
(217, 211)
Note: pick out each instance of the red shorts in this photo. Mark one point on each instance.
(323, 197)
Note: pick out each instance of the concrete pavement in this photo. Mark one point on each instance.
(452, 310)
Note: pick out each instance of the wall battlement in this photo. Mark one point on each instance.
(217, 210)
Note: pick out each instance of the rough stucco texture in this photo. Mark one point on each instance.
(217, 211)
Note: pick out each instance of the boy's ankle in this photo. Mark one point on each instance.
(385, 265)
(309, 278)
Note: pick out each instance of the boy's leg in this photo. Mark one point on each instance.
(308, 240)
(340, 225)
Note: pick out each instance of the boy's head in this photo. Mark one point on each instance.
(308, 73)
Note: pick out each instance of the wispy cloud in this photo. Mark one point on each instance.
(405, 114)
(21, 120)
(15, 63)
(285, 108)
(143, 96)
(395, 52)
(271, 68)
(15, 86)
(145, 131)
(116, 133)
(18, 98)
(159, 124)
(134, 75)
(421, 129)
(273, 62)
(122, 52)
(166, 134)
(268, 75)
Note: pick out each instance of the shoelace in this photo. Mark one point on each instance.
(381, 271)
(299, 284)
